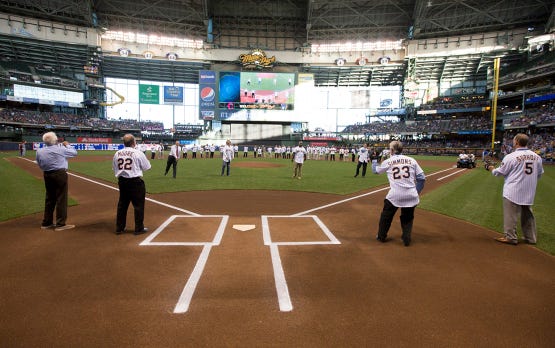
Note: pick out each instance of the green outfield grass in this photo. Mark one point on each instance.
(475, 197)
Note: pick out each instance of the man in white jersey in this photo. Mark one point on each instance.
(362, 160)
(406, 181)
(153, 151)
(161, 150)
(521, 169)
(227, 156)
(173, 157)
(128, 165)
(299, 156)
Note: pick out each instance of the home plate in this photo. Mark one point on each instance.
(244, 228)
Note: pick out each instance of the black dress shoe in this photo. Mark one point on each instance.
(119, 232)
(144, 230)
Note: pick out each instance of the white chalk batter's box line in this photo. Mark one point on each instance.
(268, 238)
(282, 290)
(284, 300)
(215, 241)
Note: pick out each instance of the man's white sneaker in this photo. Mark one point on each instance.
(64, 227)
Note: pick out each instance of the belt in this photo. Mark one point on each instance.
(122, 178)
(54, 171)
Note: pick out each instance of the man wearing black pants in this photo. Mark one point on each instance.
(362, 160)
(52, 160)
(132, 190)
(128, 165)
(172, 159)
(406, 181)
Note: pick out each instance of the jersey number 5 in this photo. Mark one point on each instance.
(125, 163)
(397, 172)
(529, 168)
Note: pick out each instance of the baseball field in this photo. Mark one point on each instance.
(261, 259)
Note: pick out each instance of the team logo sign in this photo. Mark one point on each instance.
(257, 59)
(207, 94)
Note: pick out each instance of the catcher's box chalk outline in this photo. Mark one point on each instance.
(184, 301)
(282, 290)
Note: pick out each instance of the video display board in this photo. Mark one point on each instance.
(256, 90)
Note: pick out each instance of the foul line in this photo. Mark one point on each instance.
(116, 189)
(148, 199)
(359, 196)
(446, 176)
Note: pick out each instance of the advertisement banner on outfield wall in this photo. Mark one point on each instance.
(149, 94)
(94, 140)
(87, 146)
(207, 94)
(173, 95)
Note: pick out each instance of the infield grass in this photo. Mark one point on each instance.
(474, 197)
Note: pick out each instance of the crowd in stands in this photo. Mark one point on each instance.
(540, 65)
(75, 121)
(432, 125)
(541, 143)
(457, 102)
(543, 115)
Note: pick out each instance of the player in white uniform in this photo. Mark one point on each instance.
(299, 156)
(406, 181)
(173, 157)
(227, 156)
(128, 165)
(362, 160)
(522, 168)
(153, 151)
(161, 150)
(332, 153)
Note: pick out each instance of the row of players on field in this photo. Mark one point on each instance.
(330, 153)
